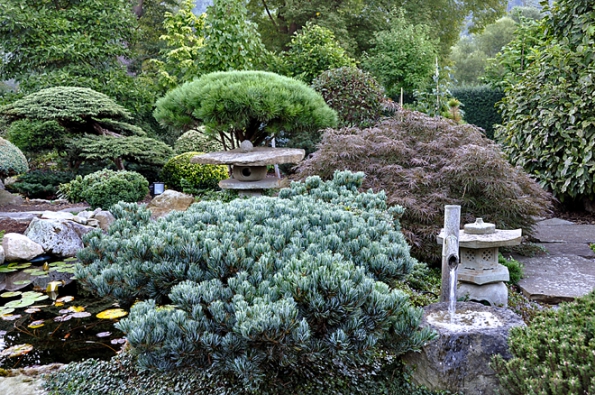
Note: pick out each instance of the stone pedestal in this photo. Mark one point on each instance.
(459, 360)
(249, 167)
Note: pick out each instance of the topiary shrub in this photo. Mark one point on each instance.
(195, 140)
(354, 94)
(40, 183)
(248, 105)
(313, 50)
(105, 188)
(12, 160)
(424, 163)
(195, 175)
(266, 291)
(479, 103)
(554, 354)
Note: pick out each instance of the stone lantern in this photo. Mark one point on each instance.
(481, 277)
(249, 166)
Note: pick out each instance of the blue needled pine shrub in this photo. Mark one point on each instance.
(265, 292)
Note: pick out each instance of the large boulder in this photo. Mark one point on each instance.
(7, 198)
(459, 360)
(105, 219)
(61, 238)
(18, 247)
(169, 201)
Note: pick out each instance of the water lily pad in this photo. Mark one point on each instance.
(36, 324)
(5, 269)
(71, 259)
(118, 341)
(17, 304)
(10, 317)
(11, 294)
(76, 309)
(39, 298)
(65, 299)
(65, 270)
(64, 311)
(103, 334)
(37, 272)
(32, 310)
(17, 351)
(22, 282)
(6, 310)
(62, 318)
(112, 314)
(82, 314)
(22, 265)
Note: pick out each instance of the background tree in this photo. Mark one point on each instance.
(549, 112)
(247, 105)
(313, 50)
(402, 57)
(66, 114)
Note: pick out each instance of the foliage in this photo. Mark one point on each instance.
(402, 57)
(246, 105)
(353, 22)
(195, 175)
(354, 94)
(515, 268)
(87, 123)
(548, 122)
(553, 355)
(313, 50)
(479, 103)
(120, 376)
(262, 290)
(183, 41)
(40, 183)
(231, 41)
(195, 140)
(105, 188)
(436, 99)
(12, 160)
(425, 163)
(135, 149)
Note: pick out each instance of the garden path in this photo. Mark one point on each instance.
(567, 271)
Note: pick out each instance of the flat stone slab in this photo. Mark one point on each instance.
(257, 156)
(555, 279)
(267, 183)
(555, 222)
(21, 216)
(565, 234)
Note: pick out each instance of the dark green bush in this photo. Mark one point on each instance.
(424, 163)
(196, 140)
(554, 355)
(41, 183)
(515, 268)
(248, 105)
(12, 160)
(105, 188)
(355, 95)
(479, 104)
(261, 291)
(195, 175)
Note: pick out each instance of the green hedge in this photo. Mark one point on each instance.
(479, 106)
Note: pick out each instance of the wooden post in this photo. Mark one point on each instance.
(450, 248)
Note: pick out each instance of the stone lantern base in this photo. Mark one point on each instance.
(496, 294)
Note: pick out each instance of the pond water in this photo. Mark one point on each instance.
(46, 318)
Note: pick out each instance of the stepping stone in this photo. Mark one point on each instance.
(565, 233)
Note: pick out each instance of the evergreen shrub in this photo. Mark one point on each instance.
(195, 175)
(261, 291)
(105, 188)
(195, 140)
(424, 163)
(554, 355)
(479, 103)
(40, 183)
(355, 95)
(12, 160)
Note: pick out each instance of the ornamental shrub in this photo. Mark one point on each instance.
(554, 354)
(105, 188)
(12, 160)
(424, 163)
(196, 175)
(354, 94)
(248, 105)
(261, 291)
(196, 140)
(479, 103)
(313, 50)
(40, 183)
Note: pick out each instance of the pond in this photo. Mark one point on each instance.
(45, 317)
